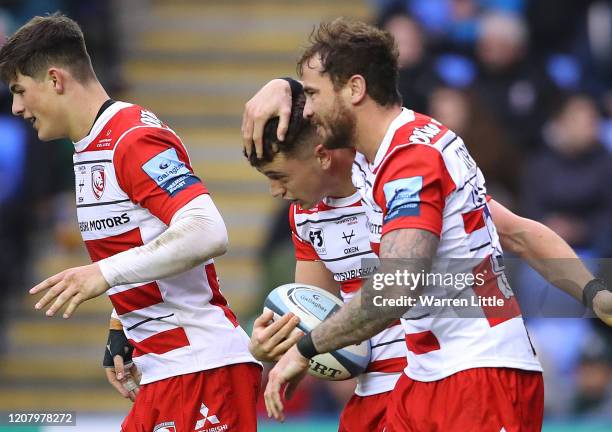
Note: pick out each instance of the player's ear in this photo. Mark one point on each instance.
(323, 156)
(57, 79)
(357, 87)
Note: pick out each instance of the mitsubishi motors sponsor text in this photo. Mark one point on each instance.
(100, 224)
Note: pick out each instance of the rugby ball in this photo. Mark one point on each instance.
(314, 305)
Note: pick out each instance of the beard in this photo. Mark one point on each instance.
(340, 131)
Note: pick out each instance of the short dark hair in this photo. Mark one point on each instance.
(44, 42)
(300, 134)
(348, 48)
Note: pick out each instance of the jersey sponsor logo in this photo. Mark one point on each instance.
(403, 197)
(169, 172)
(425, 134)
(98, 180)
(209, 419)
(351, 220)
(354, 274)
(100, 224)
(348, 237)
(165, 427)
(375, 228)
(106, 142)
(317, 241)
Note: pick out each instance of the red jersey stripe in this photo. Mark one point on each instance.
(423, 342)
(136, 298)
(396, 364)
(109, 246)
(474, 220)
(217, 298)
(350, 286)
(161, 342)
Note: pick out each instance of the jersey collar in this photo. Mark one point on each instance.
(99, 124)
(342, 202)
(403, 117)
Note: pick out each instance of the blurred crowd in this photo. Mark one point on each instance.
(528, 85)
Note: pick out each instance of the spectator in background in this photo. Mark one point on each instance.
(568, 186)
(516, 91)
(593, 396)
(462, 112)
(415, 72)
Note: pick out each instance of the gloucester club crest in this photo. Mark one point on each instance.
(98, 180)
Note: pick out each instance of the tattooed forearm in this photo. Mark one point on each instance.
(350, 325)
(355, 321)
(409, 244)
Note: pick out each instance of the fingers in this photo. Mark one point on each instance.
(269, 341)
(66, 294)
(131, 386)
(52, 293)
(111, 377)
(258, 129)
(281, 328)
(263, 319)
(284, 346)
(247, 130)
(119, 367)
(47, 283)
(283, 122)
(74, 303)
(272, 396)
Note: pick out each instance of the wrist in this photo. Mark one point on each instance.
(115, 324)
(591, 289)
(294, 85)
(107, 272)
(305, 346)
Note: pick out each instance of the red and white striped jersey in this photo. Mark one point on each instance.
(132, 175)
(424, 177)
(335, 233)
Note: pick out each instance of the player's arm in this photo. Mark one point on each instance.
(354, 322)
(360, 319)
(270, 340)
(196, 232)
(315, 273)
(548, 254)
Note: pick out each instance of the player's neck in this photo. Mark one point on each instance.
(343, 187)
(88, 100)
(372, 124)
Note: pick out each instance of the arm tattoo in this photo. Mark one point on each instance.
(355, 322)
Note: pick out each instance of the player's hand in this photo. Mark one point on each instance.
(270, 340)
(272, 100)
(290, 370)
(72, 287)
(602, 306)
(117, 361)
(128, 385)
